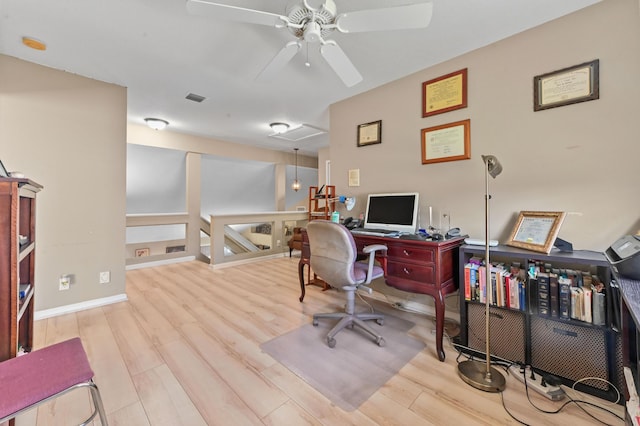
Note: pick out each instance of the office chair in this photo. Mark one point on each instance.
(333, 257)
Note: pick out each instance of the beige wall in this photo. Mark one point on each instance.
(68, 133)
(581, 158)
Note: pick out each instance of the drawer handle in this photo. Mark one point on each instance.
(406, 253)
(406, 271)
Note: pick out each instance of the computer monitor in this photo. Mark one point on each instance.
(394, 212)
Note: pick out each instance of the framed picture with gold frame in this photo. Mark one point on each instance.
(447, 142)
(536, 231)
(445, 93)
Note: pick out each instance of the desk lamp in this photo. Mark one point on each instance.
(349, 202)
(487, 379)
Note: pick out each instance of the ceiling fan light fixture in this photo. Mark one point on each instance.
(156, 123)
(279, 128)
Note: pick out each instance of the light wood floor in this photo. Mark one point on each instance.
(184, 350)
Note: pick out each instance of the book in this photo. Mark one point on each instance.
(554, 306)
(586, 303)
(598, 308)
(543, 294)
(482, 280)
(564, 297)
(473, 279)
(467, 281)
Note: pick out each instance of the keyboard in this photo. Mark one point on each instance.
(375, 232)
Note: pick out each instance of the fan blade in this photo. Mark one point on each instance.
(280, 60)
(340, 63)
(391, 18)
(233, 13)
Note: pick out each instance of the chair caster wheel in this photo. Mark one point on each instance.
(331, 342)
(381, 342)
(380, 321)
(315, 323)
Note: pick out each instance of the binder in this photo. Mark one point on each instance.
(467, 281)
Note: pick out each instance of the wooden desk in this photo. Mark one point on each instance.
(425, 267)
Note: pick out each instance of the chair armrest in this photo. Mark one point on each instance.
(374, 248)
(371, 250)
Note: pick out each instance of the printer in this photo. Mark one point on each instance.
(624, 257)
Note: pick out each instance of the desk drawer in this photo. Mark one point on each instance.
(424, 274)
(406, 253)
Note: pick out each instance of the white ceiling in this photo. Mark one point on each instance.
(161, 53)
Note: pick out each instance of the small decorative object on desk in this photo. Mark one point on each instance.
(3, 171)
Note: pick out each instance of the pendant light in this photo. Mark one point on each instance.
(296, 183)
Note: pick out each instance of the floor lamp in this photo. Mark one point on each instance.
(485, 377)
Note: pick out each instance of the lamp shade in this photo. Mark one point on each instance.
(349, 202)
(494, 168)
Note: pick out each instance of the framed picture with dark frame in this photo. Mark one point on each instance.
(536, 231)
(370, 133)
(579, 83)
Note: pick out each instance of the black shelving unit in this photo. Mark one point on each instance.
(567, 348)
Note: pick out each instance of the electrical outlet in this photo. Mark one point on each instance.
(277, 243)
(64, 282)
(105, 277)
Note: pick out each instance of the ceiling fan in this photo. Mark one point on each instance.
(311, 21)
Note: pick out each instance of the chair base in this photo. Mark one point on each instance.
(348, 321)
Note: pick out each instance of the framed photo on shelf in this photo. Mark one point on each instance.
(447, 142)
(370, 133)
(142, 252)
(567, 86)
(536, 231)
(444, 94)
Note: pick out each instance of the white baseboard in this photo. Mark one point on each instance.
(81, 306)
(159, 263)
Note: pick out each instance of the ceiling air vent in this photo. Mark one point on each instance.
(195, 98)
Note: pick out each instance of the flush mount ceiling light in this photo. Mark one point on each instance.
(279, 128)
(34, 43)
(156, 123)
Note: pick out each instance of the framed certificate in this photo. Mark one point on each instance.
(447, 142)
(370, 133)
(567, 86)
(536, 231)
(444, 94)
